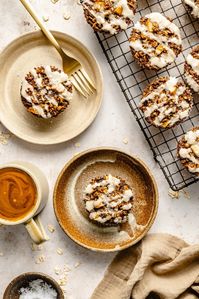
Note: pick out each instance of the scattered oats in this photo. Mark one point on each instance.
(125, 141)
(186, 194)
(51, 228)
(62, 281)
(60, 251)
(54, 1)
(173, 194)
(4, 138)
(1, 254)
(77, 144)
(66, 16)
(40, 259)
(45, 18)
(57, 270)
(77, 264)
(26, 23)
(36, 247)
(66, 269)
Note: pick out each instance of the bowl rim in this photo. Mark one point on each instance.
(140, 162)
(40, 275)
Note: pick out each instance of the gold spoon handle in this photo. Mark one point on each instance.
(40, 23)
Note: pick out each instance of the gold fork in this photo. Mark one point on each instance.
(71, 66)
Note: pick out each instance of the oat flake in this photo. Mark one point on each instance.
(4, 137)
(173, 194)
(66, 16)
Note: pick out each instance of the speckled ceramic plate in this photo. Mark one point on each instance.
(31, 50)
(69, 206)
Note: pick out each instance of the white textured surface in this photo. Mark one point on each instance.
(113, 125)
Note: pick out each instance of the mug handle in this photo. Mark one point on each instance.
(36, 230)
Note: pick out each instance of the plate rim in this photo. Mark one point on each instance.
(51, 142)
(129, 155)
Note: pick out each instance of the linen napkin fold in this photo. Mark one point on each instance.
(160, 266)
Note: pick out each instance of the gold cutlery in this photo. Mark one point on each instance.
(71, 66)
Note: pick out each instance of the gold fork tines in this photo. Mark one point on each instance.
(73, 68)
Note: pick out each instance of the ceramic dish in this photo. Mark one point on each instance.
(12, 291)
(70, 209)
(16, 60)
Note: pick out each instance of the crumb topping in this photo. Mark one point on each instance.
(166, 102)
(108, 199)
(194, 5)
(46, 91)
(110, 15)
(192, 69)
(155, 41)
(188, 150)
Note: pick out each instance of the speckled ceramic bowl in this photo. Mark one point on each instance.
(70, 207)
(12, 291)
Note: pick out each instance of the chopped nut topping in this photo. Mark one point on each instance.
(159, 49)
(149, 25)
(118, 10)
(108, 200)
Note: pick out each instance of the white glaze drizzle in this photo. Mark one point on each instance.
(192, 83)
(164, 58)
(194, 6)
(165, 91)
(191, 152)
(194, 63)
(58, 81)
(113, 19)
(133, 223)
(107, 202)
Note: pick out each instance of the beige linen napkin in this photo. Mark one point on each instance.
(160, 266)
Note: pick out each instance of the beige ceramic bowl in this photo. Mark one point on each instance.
(69, 206)
(12, 291)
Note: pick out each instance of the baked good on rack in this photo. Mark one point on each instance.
(191, 69)
(108, 200)
(166, 102)
(109, 16)
(46, 91)
(193, 7)
(188, 150)
(155, 41)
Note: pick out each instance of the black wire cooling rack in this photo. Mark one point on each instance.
(133, 79)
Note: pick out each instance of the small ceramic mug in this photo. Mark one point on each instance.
(31, 220)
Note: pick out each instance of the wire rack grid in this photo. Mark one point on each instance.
(133, 79)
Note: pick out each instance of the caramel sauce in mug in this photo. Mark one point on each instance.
(18, 194)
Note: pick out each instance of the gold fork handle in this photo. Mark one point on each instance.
(40, 23)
